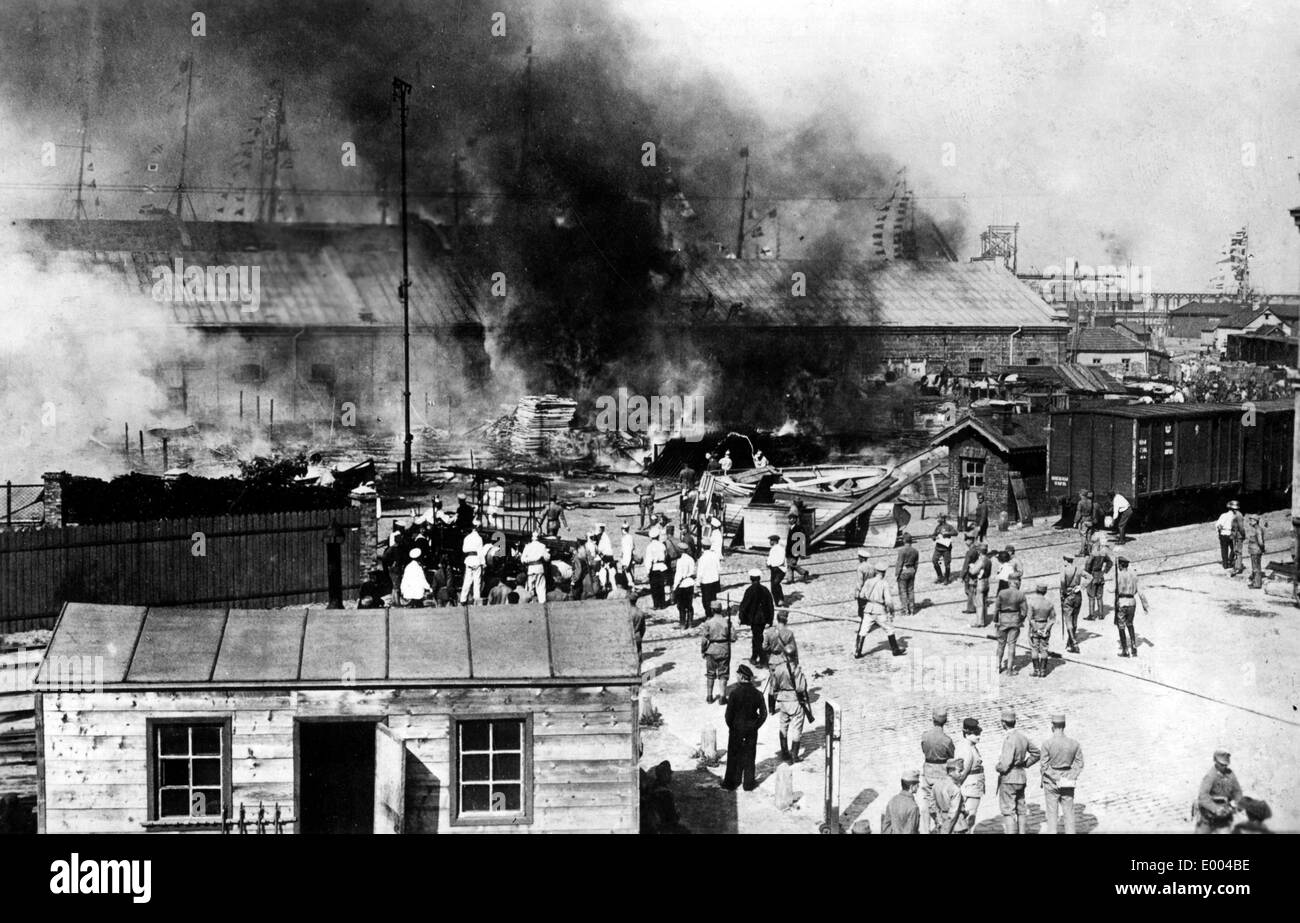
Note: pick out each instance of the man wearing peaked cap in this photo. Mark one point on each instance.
(971, 778)
(778, 640)
(948, 799)
(756, 611)
(1061, 765)
(1219, 796)
(936, 748)
(1018, 754)
(1071, 601)
(901, 814)
(1127, 594)
(745, 714)
(1042, 615)
(876, 606)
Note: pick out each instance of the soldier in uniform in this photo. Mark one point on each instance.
(901, 813)
(1255, 548)
(1097, 567)
(1083, 520)
(948, 800)
(645, 491)
(787, 696)
(1071, 601)
(876, 605)
(1013, 609)
(1018, 754)
(715, 646)
(1218, 797)
(1042, 615)
(967, 575)
(983, 577)
(745, 715)
(778, 639)
(971, 778)
(1061, 765)
(908, 561)
(942, 557)
(1127, 593)
(1238, 537)
(796, 547)
(756, 608)
(981, 525)
(937, 748)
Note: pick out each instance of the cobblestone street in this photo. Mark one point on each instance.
(1214, 671)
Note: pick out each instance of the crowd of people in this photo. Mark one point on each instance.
(1208, 386)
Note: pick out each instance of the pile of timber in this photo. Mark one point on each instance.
(537, 419)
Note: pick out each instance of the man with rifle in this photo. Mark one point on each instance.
(787, 697)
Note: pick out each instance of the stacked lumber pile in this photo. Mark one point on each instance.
(539, 418)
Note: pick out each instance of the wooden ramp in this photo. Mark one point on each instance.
(886, 490)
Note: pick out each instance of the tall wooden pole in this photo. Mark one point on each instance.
(1295, 466)
(744, 201)
(401, 93)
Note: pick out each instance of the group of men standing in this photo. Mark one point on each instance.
(1238, 534)
(953, 780)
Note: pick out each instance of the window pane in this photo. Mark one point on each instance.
(174, 772)
(474, 798)
(175, 802)
(474, 735)
(211, 802)
(207, 772)
(207, 739)
(506, 798)
(506, 735)
(506, 766)
(173, 739)
(474, 768)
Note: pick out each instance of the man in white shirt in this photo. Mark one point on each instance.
(472, 582)
(716, 535)
(627, 555)
(415, 585)
(1121, 512)
(725, 463)
(684, 589)
(708, 573)
(496, 501)
(534, 556)
(605, 549)
(776, 567)
(656, 566)
(760, 460)
(1224, 527)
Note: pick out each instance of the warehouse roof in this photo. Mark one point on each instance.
(527, 644)
(917, 293)
(1106, 340)
(314, 275)
(1206, 309)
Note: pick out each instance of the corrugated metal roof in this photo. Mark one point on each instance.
(1075, 377)
(891, 294)
(313, 276)
(1026, 431)
(559, 644)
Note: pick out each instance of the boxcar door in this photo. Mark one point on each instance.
(390, 781)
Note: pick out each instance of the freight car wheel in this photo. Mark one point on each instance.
(824, 828)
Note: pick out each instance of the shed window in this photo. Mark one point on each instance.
(189, 768)
(972, 472)
(975, 365)
(492, 767)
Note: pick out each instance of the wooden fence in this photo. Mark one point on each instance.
(262, 561)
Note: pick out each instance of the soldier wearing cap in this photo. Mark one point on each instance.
(1097, 566)
(1255, 547)
(796, 547)
(756, 608)
(787, 695)
(901, 813)
(1013, 609)
(1238, 537)
(716, 638)
(967, 574)
(1042, 615)
(745, 715)
(778, 639)
(1018, 754)
(1218, 797)
(971, 778)
(1071, 601)
(1127, 593)
(948, 800)
(981, 525)
(876, 605)
(937, 749)
(983, 578)
(943, 535)
(905, 568)
(1083, 520)
(1062, 763)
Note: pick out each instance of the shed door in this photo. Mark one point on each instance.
(390, 781)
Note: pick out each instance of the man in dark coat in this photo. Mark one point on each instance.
(1219, 796)
(757, 610)
(746, 713)
(901, 813)
(981, 516)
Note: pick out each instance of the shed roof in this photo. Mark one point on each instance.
(916, 293)
(1026, 431)
(1072, 375)
(552, 644)
(1106, 340)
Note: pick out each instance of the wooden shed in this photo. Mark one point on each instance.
(1004, 456)
(518, 718)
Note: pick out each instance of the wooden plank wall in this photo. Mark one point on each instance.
(584, 777)
(256, 561)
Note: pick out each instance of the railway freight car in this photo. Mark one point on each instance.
(1175, 462)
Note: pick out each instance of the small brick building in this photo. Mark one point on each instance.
(985, 452)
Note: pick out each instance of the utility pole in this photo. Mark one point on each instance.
(1295, 469)
(185, 141)
(744, 201)
(79, 207)
(401, 94)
